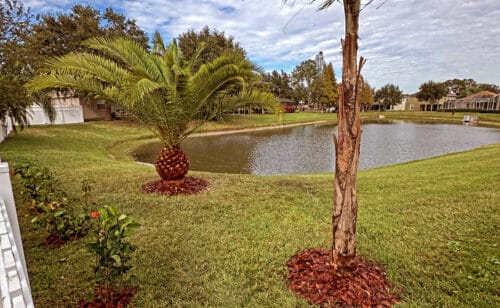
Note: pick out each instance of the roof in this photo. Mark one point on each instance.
(480, 94)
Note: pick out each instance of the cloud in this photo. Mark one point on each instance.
(406, 42)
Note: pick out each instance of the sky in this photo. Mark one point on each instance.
(405, 42)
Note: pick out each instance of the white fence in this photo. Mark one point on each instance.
(64, 115)
(14, 282)
(37, 116)
(5, 128)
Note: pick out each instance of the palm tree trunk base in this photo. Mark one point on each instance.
(176, 182)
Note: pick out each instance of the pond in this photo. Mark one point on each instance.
(309, 148)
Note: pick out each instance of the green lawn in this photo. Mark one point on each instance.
(434, 224)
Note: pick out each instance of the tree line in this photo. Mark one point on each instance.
(313, 83)
(27, 41)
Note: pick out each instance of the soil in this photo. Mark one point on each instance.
(109, 298)
(312, 276)
(190, 186)
(55, 240)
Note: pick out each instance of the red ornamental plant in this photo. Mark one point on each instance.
(113, 253)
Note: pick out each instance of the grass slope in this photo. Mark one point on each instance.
(433, 224)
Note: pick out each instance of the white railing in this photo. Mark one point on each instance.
(14, 282)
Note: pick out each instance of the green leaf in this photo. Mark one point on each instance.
(59, 213)
(118, 260)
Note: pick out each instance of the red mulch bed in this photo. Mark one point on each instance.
(55, 240)
(190, 186)
(311, 276)
(109, 298)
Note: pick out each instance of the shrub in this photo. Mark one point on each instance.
(62, 225)
(113, 254)
(39, 187)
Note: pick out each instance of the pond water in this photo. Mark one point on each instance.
(309, 148)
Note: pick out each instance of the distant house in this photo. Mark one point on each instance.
(92, 109)
(71, 108)
(484, 100)
(435, 106)
(287, 101)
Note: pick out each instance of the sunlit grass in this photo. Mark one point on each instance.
(433, 224)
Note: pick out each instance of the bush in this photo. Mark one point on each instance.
(39, 187)
(113, 254)
(62, 225)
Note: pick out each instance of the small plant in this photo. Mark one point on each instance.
(62, 225)
(113, 254)
(39, 187)
(86, 188)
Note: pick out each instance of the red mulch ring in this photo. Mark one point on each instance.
(190, 186)
(311, 276)
(109, 298)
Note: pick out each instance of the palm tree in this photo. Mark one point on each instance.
(158, 88)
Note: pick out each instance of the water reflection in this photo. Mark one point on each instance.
(309, 149)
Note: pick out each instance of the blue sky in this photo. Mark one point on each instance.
(405, 42)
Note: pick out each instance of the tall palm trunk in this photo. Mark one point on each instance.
(347, 144)
(172, 165)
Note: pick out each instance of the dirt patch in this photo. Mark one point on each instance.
(190, 186)
(311, 276)
(104, 298)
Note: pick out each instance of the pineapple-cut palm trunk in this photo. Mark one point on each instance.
(172, 165)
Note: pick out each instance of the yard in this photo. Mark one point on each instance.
(433, 224)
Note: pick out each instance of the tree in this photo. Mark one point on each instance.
(207, 45)
(388, 95)
(158, 88)
(15, 65)
(461, 88)
(278, 83)
(488, 87)
(431, 91)
(331, 86)
(303, 76)
(57, 35)
(347, 142)
(319, 95)
(366, 98)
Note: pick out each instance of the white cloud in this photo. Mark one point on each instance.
(406, 42)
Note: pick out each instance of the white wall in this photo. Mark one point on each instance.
(5, 128)
(64, 115)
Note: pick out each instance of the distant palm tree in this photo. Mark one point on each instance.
(158, 89)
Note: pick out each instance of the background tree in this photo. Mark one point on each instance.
(432, 91)
(15, 65)
(158, 88)
(57, 35)
(213, 44)
(331, 87)
(303, 76)
(388, 95)
(319, 94)
(488, 87)
(278, 83)
(366, 98)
